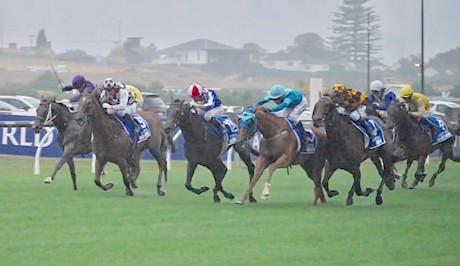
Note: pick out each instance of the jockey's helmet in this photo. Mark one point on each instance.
(376, 86)
(406, 92)
(276, 92)
(339, 87)
(78, 81)
(109, 83)
(195, 90)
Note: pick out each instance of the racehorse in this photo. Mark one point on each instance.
(73, 138)
(346, 150)
(279, 148)
(111, 143)
(203, 146)
(417, 144)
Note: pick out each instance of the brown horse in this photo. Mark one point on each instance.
(346, 150)
(111, 143)
(417, 144)
(278, 149)
(73, 138)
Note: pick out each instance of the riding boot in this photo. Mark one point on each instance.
(368, 127)
(217, 123)
(136, 131)
(303, 135)
(433, 129)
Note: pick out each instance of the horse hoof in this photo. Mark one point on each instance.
(252, 200)
(161, 193)
(134, 185)
(368, 191)
(216, 199)
(48, 180)
(378, 200)
(230, 196)
(349, 202)
(332, 193)
(203, 189)
(239, 202)
(431, 184)
(108, 186)
(265, 196)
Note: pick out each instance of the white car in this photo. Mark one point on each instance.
(8, 109)
(450, 110)
(22, 102)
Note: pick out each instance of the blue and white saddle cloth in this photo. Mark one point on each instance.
(379, 138)
(443, 131)
(231, 135)
(144, 132)
(304, 148)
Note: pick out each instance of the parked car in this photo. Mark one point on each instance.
(8, 109)
(22, 102)
(154, 103)
(450, 110)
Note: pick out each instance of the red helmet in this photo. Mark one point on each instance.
(195, 90)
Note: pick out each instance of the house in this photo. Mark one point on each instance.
(202, 52)
(286, 62)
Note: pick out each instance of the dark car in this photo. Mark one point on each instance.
(154, 103)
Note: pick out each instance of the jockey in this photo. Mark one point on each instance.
(418, 106)
(353, 105)
(83, 86)
(381, 98)
(138, 99)
(118, 100)
(292, 102)
(207, 103)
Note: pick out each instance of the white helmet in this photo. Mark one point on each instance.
(195, 90)
(376, 85)
(109, 83)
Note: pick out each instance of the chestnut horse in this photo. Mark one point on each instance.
(279, 149)
(111, 143)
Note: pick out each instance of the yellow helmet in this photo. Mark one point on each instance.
(339, 87)
(406, 92)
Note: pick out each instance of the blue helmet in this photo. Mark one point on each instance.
(276, 92)
(78, 81)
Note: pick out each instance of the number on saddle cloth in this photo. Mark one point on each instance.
(144, 131)
(231, 129)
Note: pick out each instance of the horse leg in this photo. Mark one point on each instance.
(328, 171)
(191, 167)
(282, 162)
(404, 176)
(99, 168)
(420, 172)
(134, 169)
(314, 173)
(162, 169)
(123, 165)
(245, 155)
(446, 153)
(261, 165)
(71, 165)
(356, 187)
(219, 170)
(67, 153)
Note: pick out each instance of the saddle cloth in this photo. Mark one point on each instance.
(379, 138)
(144, 132)
(231, 135)
(304, 148)
(443, 131)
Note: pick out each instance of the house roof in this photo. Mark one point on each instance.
(199, 44)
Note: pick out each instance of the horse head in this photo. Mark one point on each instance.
(248, 124)
(177, 114)
(44, 115)
(321, 111)
(397, 114)
(89, 105)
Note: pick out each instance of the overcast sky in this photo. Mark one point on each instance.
(95, 25)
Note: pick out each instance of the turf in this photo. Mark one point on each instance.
(54, 225)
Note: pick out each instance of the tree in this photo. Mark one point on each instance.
(42, 41)
(352, 23)
(255, 51)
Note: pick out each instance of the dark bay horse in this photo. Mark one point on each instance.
(204, 147)
(417, 144)
(111, 143)
(73, 138)
(279, 149)
(346, 150)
